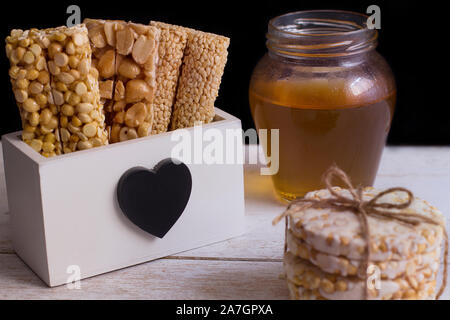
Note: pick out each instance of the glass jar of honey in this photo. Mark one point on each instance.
(330, 94)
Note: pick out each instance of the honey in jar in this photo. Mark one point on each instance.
(330, 94)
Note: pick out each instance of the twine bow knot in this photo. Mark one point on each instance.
(363, 209)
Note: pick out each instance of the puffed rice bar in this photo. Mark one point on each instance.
(171, 49)
(201, 73)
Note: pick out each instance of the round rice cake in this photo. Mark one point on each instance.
(303, 273)
(341, 265)
(339, 233)
(300, 293)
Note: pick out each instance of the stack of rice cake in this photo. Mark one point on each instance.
(325, 250)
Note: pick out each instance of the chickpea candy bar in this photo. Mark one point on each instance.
(75, 89)
(30, 80)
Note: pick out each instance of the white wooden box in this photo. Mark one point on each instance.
(64, 210)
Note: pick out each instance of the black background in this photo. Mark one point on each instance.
(412, 39)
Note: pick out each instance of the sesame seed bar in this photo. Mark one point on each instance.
(171, 49)
(201, 73)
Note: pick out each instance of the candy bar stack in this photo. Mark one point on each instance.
(325, 251)
(108, 81)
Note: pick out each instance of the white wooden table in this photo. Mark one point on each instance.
(247, 267)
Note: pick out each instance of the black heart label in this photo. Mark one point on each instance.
(155, 199)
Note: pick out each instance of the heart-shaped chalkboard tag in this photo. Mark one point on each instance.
(155, 199)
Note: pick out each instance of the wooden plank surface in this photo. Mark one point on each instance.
(160, 279)
(246, 267)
